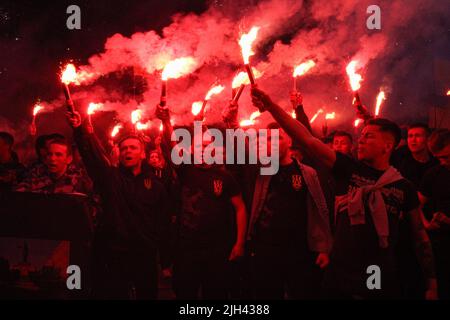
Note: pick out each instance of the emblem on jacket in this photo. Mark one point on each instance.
(218, 185)
(148, 183)
(296, 182)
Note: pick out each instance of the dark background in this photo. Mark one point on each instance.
(34, 40)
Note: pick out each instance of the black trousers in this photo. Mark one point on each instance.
(277, 272)
(201, 268)
(125, 275)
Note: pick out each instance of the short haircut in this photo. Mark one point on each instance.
(421, 125)
(343, 134)
(7, 138)
(62, 142)
(154, 151)
(131, 136)
(42, 141)
(438, 140)
(387, 126)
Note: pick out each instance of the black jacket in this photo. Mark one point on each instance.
(135, 208)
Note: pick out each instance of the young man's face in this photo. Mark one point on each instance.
(57, 158)
(417, 140)
(342, 144)
(444, 157)
(154, 160)
(131, 153)
(374, 143)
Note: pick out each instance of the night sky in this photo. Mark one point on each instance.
(34, 40)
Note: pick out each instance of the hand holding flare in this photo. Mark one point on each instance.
(355, 83)
(69, 75)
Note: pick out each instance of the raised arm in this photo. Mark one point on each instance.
(162, 113)
(315, 148)
(300, 115)
(91, 151)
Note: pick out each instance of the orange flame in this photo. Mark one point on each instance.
(116, 130)
(178, 67)
(69, 75)
(331, 115)
(251, 121)
(36, 109)
(355, 78)
(242, 78)
(357, 123)
(136, 115)
(380, 99)
(303, 68)
(316, 115)
(161, 127)
(448, 92)
(246, 42)
(94, 107)
(215, 90)
(196, 107)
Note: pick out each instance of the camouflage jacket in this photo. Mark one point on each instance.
(38, 179)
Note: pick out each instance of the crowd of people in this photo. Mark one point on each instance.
(311, 231)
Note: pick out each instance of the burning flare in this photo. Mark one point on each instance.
(93, 107)
(293, 115)
(69, 75)
(380, 99)
(214, 90)
(116, 130)
(251, 121)
(331, 115)
(316, 115)
(36, 109)
(143, 126)
(197, 107)
(178, 67)
(246, 42)
(242, 79)
(448, 92)
(136, 115)
(355, 78)
(303, 68)
(357, 123)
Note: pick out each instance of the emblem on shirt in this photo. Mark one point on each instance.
(296, 182)
(218, 184)
(148, 183)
